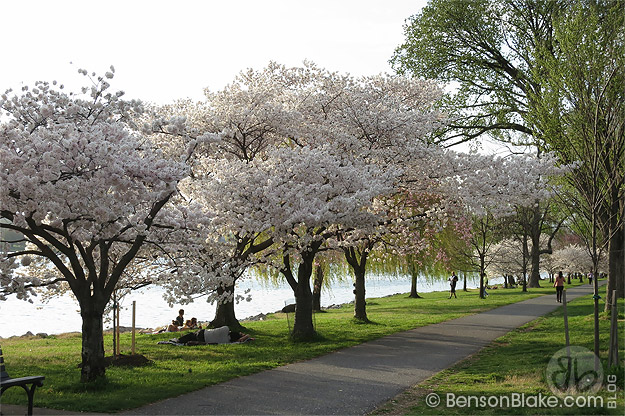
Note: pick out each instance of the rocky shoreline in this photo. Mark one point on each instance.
(122, 329)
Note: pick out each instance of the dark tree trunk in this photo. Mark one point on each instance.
(482, 274)
(534, 280)
(318, 283)
(224, 314)
(357, 259)
(414, 293)
(534, 254)
(360, 304)
(303, 328)
(616, 266)
(93, 365)
(464, 279)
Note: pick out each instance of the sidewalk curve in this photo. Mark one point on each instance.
(355, 380)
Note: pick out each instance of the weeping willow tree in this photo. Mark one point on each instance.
(329, 269)
(434, 259)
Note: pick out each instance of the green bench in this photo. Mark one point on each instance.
(6, 381)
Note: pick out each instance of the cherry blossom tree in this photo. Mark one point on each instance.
(253, 114)
(85, 188)
(576, 258)
(507, 259)
(314, 206)
(491, 187)
(298, 197)
(382, 120)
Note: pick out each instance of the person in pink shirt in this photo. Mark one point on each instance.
(559, 285)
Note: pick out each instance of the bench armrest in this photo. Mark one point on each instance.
(38, 380)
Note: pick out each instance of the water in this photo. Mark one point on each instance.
(61, 314)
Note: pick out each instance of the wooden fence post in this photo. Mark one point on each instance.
(134, 308)
(566, 326)
(613, 353)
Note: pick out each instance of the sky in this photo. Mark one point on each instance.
(166, 50)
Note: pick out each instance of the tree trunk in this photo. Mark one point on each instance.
(360, 305)
(616, 266)
(482, 274)
(534, 280)
(357, 259)
(318, 283)
(464, 278)
(413, 281)
(303, 328)
(414, 293)
(93, 365)
(224, 314)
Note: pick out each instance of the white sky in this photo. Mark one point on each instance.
(165, 50)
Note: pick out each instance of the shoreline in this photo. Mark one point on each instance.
(125, 329)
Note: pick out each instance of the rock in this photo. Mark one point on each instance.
(259, 317)
(42, 335)
(28, 334)
(289, 308)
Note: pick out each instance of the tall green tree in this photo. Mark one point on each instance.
(497, 56)
(582, 115)
(487, 51)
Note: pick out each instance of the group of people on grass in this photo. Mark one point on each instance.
(179, 324)
(203, 336)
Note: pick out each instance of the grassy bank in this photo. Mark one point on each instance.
(516, 364)
(175, 370)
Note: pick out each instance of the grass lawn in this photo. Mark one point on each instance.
(516, 364)
(175, 370)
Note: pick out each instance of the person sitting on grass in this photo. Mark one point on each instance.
(191, 324)
(221, 335)
(179, 321)
(173, 327)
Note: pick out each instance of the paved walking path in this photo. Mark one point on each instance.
(356, 380)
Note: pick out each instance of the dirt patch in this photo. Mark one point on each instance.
(122, 360)
(136, 360)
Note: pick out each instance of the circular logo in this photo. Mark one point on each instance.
(573, 370)
(432, 400)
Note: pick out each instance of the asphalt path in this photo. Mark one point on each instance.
(355, 380)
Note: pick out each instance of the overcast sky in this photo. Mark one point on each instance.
(164, 50)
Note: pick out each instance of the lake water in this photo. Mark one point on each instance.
(61, 314)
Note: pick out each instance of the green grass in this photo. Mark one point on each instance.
(177, 370)
(516, 364)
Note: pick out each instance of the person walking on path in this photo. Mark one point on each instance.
(559, 285)
(453, 280)
(590, 277)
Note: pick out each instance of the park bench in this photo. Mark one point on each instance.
(6, 381)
